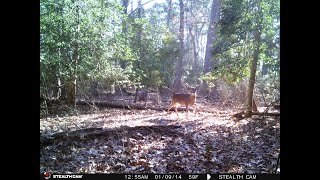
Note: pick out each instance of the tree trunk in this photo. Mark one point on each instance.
(140, 51)
(71, 89)
(211, 35)
(192, 32)
(195, 57)
(71, 100)
(125, 4)
(59, 91)
(57, 88)
(253, 69)
(254, 106)
(169, 14)
(177, 81)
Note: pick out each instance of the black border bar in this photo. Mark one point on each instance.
(164, 176)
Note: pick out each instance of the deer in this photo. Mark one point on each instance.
(141, 96)
(184, 99)
(144, 95)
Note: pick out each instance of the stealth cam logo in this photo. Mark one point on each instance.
(46, 175)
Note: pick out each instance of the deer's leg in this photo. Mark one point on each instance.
(176, 109)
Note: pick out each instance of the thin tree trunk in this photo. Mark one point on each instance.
(169, 14)
(71, 91)
(140, 51)
(252, 79)
(257, 38)
(177, 81)
(125, 4)
(57, 89)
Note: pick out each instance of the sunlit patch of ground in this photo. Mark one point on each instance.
(163, 143)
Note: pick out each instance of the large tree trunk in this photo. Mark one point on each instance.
(177, 80)
(195, 56)
(193, 31)
(211, 35)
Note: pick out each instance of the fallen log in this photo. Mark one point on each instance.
(242, 114)
(128, 106)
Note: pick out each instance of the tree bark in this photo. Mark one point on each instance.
(192, 32)
(140, 51)
(71, 90)
(211, 35)
(177, 81)
(195, 56)
(125, 4)
(169, 14)
(253, 69)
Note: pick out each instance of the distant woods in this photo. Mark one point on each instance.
(90, 47)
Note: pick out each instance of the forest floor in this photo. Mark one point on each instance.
(148, 141)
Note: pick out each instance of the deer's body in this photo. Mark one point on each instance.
(144, 95)
(141, 96)
(184, 100)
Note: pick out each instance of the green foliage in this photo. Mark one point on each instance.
(95, 41)
(92, 30)
(234, 46)
(268, 87)
(155, 49)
